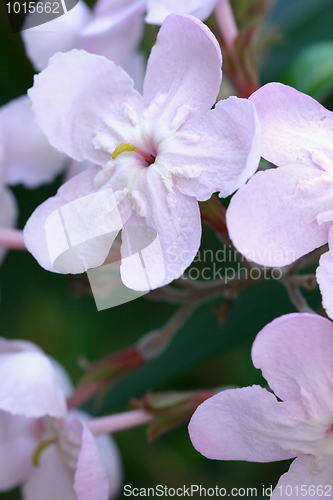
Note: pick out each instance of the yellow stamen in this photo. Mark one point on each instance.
(41, 447)
(122, 148)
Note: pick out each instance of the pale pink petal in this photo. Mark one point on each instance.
(272, 220)
(30, 158)
(184, 68)
(17, 445)
(294, 353)
(174, 216)
(250, 424)
(157, 10)
(324, 275)
(295, 127)
(111, 460)
(51, 480)
(91, 480)
(219, 152)
(29, 386)
(308, 477)
(85, 104)
(59, 35)
(74, 230)
(115, 31)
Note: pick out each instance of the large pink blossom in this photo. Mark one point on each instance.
(294, 353)
(72, 463)
(184, 151)
(286, 212)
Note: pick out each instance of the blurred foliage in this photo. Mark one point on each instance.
(311, 71)
(41, 306)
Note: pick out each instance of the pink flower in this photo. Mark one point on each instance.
(294, 353)
(284, 213)
(72, 464)
(169, 149)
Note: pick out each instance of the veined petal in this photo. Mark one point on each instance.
(111, 460)
(307, 477)
(59, 35)
(250, 424)
(185, 67)
(272, 220)
(219, 152)
(29, 386)
(85, 104)
(174, 216)
(295, 127)
(324, 276)
(158, 10)
(30, 158)
(91, 480)
(294, 353)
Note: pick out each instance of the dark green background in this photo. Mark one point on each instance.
(42, 306)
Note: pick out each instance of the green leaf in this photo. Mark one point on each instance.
(312, 71)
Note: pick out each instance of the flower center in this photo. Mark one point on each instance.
(128, 146)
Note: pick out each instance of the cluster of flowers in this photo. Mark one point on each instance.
(160, 153)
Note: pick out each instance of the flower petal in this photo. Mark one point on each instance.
(216, 153)
(30, 158)
(74, 230)
(174, 216)
(324, 275)
(17, 444)
(295, 127)
(250, 424)
(294, 353)
(185, 67)
(59, 35)
(91, 480)
(115, 30)
(91, 105)
(158, 10)
(272, 220)
(307, 478)
(29, 386)
(110, 457)
(50, 480)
